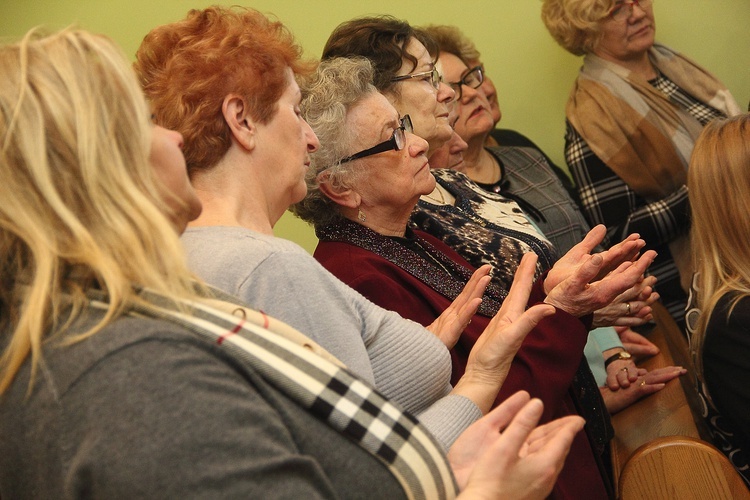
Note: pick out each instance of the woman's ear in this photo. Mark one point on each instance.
(240, 123)
(341, 195)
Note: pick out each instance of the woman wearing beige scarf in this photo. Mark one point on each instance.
(632, 119)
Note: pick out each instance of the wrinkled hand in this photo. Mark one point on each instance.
(503, 455)
(581, 294)
(626, 250)
(646, 384)
(636, 344)
(491, 357)
(640, 297)
(457, 316)
(621, 372)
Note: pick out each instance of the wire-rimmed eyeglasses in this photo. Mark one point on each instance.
(433, 75)
(473, 79)
(622, 11)
(395, 143)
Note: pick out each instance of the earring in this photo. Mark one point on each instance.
(361, 215)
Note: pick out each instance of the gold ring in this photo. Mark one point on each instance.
(627, 304)
(643, 382)
(624, 369)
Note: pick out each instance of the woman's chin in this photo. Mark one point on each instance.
(298, 194)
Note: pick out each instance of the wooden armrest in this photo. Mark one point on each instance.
(657, 451)
(665, 413)
(680, 467)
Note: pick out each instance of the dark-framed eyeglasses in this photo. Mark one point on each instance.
(433, 74)
(622, 11)
(473, 79)
(395, 143)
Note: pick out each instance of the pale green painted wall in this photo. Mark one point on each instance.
(532, 73)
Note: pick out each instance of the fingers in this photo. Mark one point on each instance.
(631, 372)
(523, 281)
(636, 344)
(639, 351)
(501, 415)
(592, 239)
(645, 260)
(623, 376)
(663, 375)
(612, 382)
(475, 287)
(587, 271)
(515, 435)
(642, 290)
(543, 433)
(631, 321)
(457, 316)
(512, 333)
(624, 277)
(647, 383)
(532, 316)
(627, 249)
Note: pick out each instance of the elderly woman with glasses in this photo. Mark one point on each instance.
(632, 118)
(361, 208)
(406, 70)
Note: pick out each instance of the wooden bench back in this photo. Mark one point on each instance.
(659, 449)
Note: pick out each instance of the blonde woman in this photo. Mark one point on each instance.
(119, 378)
(719, 182)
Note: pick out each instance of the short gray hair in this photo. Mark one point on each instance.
(336, 86)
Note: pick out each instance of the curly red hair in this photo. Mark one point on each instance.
(187, 68)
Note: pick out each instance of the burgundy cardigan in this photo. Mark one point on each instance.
(396, 276)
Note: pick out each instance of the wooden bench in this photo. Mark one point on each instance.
(659, 449)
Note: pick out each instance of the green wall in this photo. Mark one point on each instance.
(532, 73)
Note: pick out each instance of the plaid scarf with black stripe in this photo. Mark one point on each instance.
(317, 381)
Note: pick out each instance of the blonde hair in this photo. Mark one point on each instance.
(336, 86)
(575, 24)
(80, 203)
(719, 187)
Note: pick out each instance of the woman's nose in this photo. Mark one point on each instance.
(468, 93)
(312, 140)
(417, 145)
(445, 93)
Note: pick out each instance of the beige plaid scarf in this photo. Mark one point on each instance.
(317, 381)
(639, 133)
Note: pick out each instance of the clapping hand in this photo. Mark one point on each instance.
(456, 317)
(581, 283)
(492, 355)
(504, 454)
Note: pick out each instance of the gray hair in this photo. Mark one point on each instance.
(336, 86)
